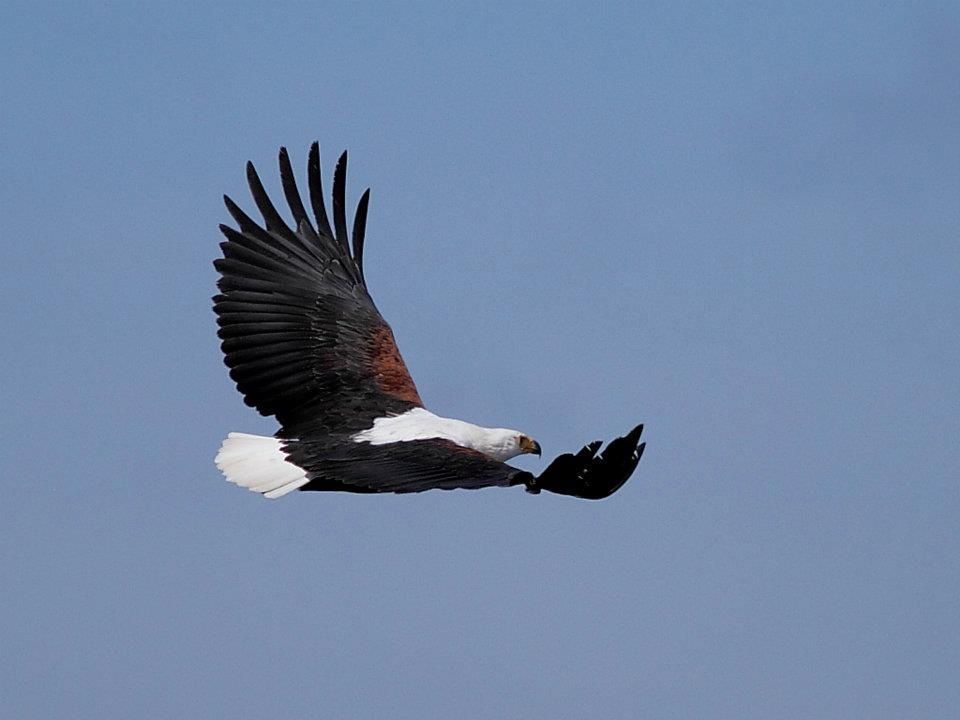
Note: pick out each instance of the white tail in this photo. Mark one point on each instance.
(257, 463)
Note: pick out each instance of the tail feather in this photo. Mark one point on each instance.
(258, 463)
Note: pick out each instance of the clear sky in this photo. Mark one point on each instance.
(739, 225)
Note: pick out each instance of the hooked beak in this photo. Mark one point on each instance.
(530, 446)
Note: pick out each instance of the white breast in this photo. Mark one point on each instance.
(420, 424)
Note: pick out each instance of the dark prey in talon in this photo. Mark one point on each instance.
(306, 344)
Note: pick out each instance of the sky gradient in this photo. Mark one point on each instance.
(740, 226)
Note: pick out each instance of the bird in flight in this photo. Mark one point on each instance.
(306, 344)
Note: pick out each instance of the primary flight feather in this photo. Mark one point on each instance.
(306, 344)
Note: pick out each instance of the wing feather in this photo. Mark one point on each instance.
(298, 329)
(292, 194)
(404, 467)
(316, 191)
(271, 217)
(271, 247)
(339, 203)
(359, 231)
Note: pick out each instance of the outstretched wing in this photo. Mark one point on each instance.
(415, 466)
(300, 333)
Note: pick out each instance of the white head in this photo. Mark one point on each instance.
(503, 444)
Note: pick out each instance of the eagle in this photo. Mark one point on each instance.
(305, 343)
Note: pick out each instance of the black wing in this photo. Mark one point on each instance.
(420, 465)
(300, 333)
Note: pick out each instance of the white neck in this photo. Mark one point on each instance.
(419, 424)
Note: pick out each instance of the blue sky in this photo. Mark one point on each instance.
(739, 225)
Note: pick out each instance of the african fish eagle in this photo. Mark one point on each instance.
(306, 344)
